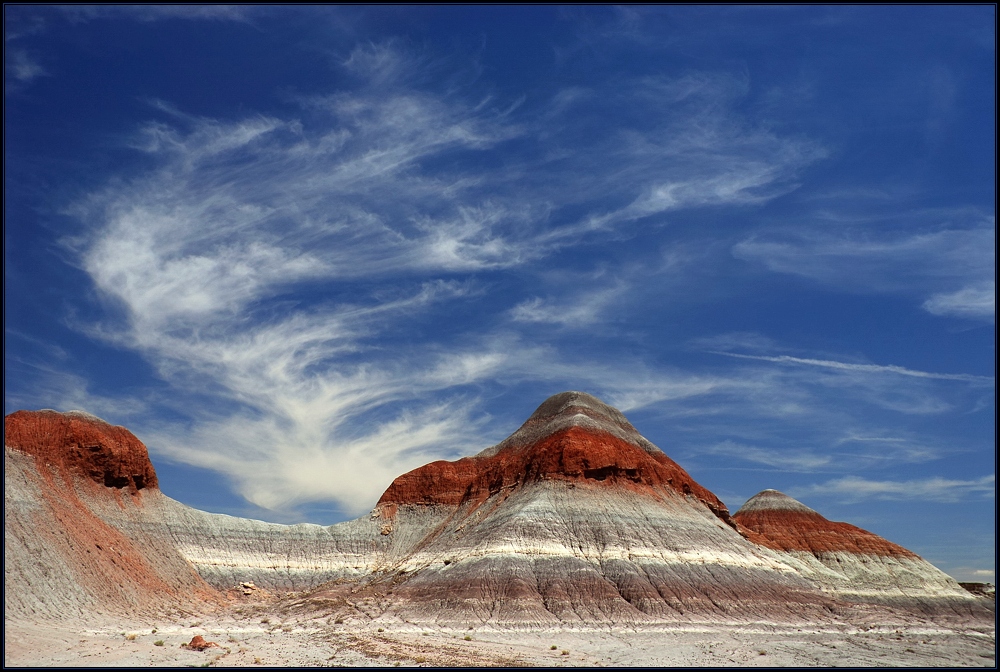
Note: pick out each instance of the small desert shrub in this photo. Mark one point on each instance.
(468, 638)
(265, 620)
(762, 653)
(158, 642)
(339, 621)
(425, 633)
(256, 661)
(553, 647)
(131, 636)
(420, 659)
(565, 652)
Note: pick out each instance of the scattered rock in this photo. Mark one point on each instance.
(198, 643)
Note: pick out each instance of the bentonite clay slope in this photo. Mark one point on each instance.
(574, 518)
(73, 486)
(847, 561)
(87, 529)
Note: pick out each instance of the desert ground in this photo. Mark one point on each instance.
(266, 634)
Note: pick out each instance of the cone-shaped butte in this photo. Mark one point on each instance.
(82, 444)
(574, 518)
(572, 436)
(775, 520)
(847, 562)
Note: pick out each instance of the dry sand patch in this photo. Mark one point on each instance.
(245, 641)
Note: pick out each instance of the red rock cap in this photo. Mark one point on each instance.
(775, 520)
(572, 436)
(82, 444)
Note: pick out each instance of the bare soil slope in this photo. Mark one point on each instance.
(576, 520)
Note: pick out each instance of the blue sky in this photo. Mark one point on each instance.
(301, 251)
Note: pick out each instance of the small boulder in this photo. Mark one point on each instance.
(198, 643)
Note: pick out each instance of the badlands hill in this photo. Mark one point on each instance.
(574, 519)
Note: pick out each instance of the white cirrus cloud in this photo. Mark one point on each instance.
(953, 263)
(793, 460)
(862, 368)
(586, 308)
(270, 267)
(977, 301)
(946, 490)
(22, 67)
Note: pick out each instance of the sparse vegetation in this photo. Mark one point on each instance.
(131, 636)
(553, 647)
(468, 638)
(420, 659)
(339, 621)
(565, 652)
(762, 653)
(381, 629)
(256, 661)
(158, 642)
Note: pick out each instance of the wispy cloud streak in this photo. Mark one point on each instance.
(856, 489)
(951, 261)
(265, 261)
(279, 271)
(865, 368)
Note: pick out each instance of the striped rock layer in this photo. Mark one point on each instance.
(74, 487)
(846, 561)
(575, 518)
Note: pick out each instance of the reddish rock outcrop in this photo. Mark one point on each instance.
(82, 444)
(79, 498)
(775, 520)
(198, 643)
(571, 437)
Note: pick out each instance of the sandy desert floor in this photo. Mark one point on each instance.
(253, 637)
